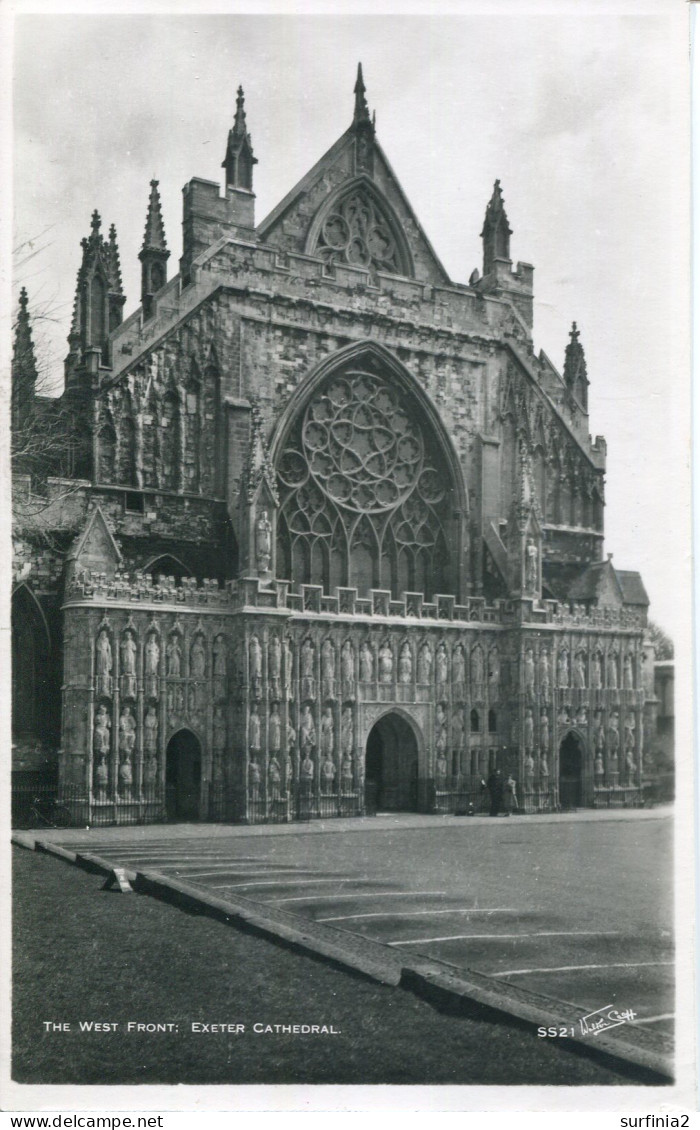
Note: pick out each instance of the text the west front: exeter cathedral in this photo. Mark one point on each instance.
(325, 533)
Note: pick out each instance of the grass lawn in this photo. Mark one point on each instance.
(84, 954)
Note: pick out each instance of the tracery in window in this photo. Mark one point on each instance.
(365, 492)
(357, 231)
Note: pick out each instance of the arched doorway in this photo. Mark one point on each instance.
(30, 658)
(571, 771)
(391, 766)
(183, 774)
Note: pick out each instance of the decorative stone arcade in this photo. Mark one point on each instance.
(252, 703)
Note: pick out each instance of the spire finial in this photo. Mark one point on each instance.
(24, 369)
(239, 123)
(115, 270)
(95, 223)
(575, 375)
(154, 236)
(361, 108)
(496, 232)
(239, 159)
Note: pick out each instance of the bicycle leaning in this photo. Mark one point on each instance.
(48, 812)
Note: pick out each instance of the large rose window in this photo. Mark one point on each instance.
(365, 496)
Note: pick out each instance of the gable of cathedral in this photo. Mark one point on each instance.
(328, 486)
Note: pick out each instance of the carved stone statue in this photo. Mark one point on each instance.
(255, 666)
(544, 769)
(366, 663)
(386, 663)
(597, 671)
(127, 732)
(477, 666)
(347, 731)
(544, 673)
(613, 737)
(598, 766)
(289, 667)
(441, 740)
(308, 682)
(101, 775)
(563, 669)
(219, 657)
(611, 670)
(198, 659)
(529, 772)
(150, 731)
(347, 669)
(104, 663)
(274, 731)
(327, 774)
(219, 729)
(306, 774)
(150, 771)
(173, 657)
(425, 663)
(126, 777)
(580, 671)
(528, 731)
(441, 664)
(494, 672)
(544, 729)
(274, 776)
(458, 667)
(327, 731)
(529, 672)
(458, 730)
(102, 733)
(600, 738)
(441, 771)
(346, 774)
(263, 542)
(254, 728)
(629, 732)
(152, 661)
(254, 778)
(582, 715)
(531, 566)
(307, 730)
(274, 667)
(127, 658)
(405, 663)
(328, 669)
(629, 671)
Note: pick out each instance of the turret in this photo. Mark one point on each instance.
(239, 159)
(495, 232)
(499, 278)
(575, 374)
(99, 299)
(207, 216)
(24, 371)
(154, 253)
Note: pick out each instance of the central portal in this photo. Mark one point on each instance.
(183, 771)
(570, 772)
(391, 766)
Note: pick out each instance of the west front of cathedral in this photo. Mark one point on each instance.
(326, 533)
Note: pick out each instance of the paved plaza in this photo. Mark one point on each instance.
(578, 909)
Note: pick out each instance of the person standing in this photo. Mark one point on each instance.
(510, 796)
(495, 789)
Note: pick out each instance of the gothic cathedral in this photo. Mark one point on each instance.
(317, 531)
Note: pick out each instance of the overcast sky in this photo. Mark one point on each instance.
(581, 116)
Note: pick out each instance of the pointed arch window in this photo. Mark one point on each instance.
(366, 494)
(359, 228)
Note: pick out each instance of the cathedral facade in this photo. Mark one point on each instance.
(326, 534)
